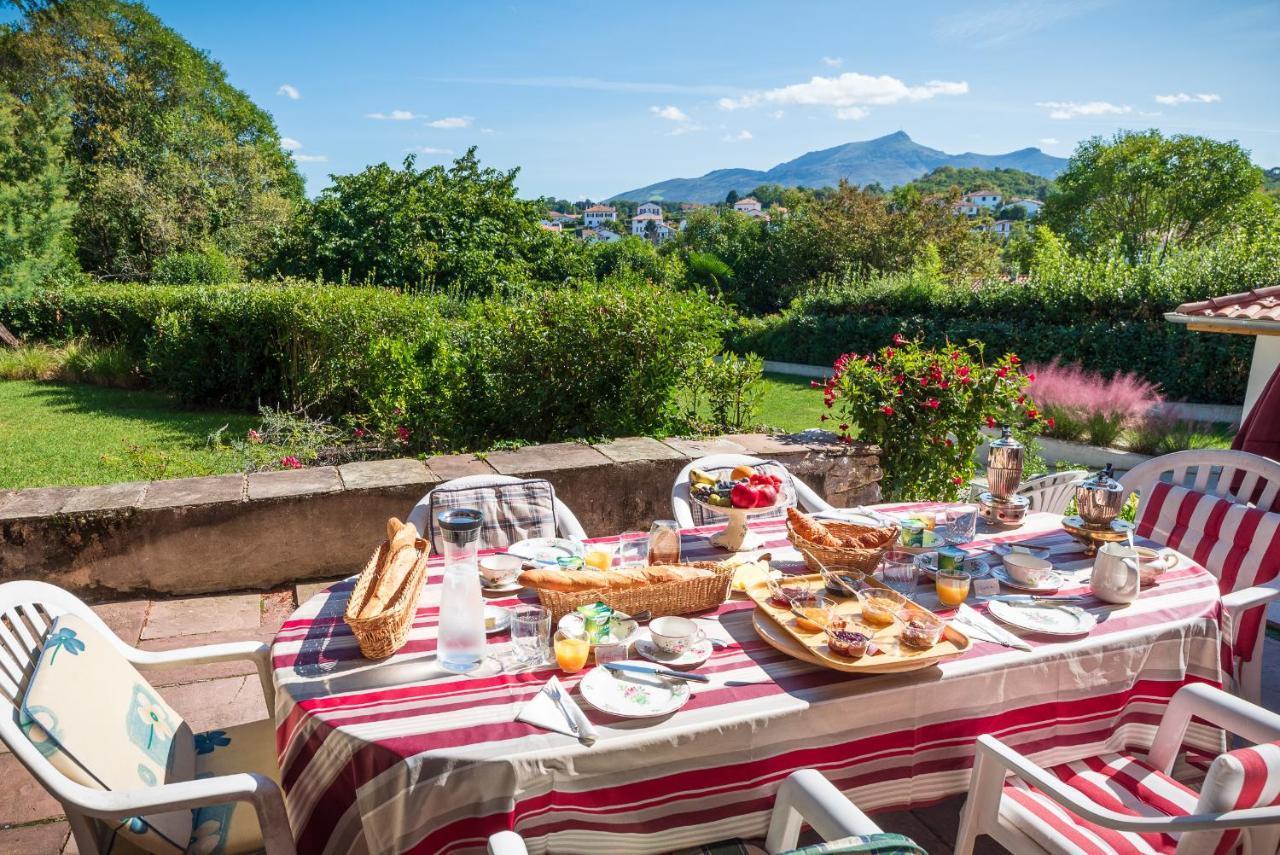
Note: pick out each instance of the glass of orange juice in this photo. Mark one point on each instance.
(952, 586)
(571, 653)
(599, 556)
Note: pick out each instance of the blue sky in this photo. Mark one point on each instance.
(591, 98)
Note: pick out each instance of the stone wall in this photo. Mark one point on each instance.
(238, 532)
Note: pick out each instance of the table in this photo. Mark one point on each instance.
(402, 756)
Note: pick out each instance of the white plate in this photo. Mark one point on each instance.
(571, 624)
(633, 695)
(691, 658)
(1053, 583)
(501, 618)
(545, 550)
(1047, 620)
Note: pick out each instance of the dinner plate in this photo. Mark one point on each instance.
(571, 624)
(633, 695)
(1045, 619)
(501, 619)
(1053, 582)
(546, 550)
(691, 658)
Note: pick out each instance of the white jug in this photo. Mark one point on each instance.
(1116, 577)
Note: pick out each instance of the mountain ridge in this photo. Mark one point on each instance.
(889, 160)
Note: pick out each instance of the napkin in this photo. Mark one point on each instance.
(990, 628)
(542, 711)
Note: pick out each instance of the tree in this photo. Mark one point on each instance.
(460, 229)
(731, 197)
(165, 155)
(1149, 192)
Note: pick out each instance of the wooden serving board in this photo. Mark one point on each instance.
(779, 628)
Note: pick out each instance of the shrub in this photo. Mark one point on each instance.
(1089, 407)
(925, 409)
(206, 267)
(1162, 433)
(31, 362)
(721, 394)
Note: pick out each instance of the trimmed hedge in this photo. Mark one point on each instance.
(599, 360)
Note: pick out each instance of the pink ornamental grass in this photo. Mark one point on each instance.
(1087, 406)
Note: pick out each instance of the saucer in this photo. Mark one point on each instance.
(505, 588)
(689, 659)
(1053, 582)
(501, 619)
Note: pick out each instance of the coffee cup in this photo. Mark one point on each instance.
(675, 635)
(1153, 563)
(1027, 569)
(500, 569)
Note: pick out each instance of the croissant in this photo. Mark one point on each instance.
(810, 529)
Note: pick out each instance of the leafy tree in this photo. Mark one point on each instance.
(1271, 181)
(1149, 192)
(1010, 182)
(460, 229)
(637, 255)
(731, 197)
(165, 155)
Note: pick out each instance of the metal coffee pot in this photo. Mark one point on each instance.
(1004, 465)
(1100, 498)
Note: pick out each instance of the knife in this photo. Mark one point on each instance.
(656, 672)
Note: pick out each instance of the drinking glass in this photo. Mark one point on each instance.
(530, 634)
(962, 524)
(952, 587)
(664, 542)
(571, 653)
(599, 556)
(900, 571)
(633, 549)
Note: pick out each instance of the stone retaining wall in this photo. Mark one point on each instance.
(238, 532)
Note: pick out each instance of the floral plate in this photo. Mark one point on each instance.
(546, 550)
(691, 658)
(1053, 581)
(1045, 619)
(633, 695)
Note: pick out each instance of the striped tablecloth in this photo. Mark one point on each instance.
(401, 756)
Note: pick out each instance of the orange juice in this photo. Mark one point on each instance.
(598, 559)
(952, 587)
(572, 653)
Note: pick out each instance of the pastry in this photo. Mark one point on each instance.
(807, 528)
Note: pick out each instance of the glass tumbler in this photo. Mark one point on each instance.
(900, 571)
(664, 542)
(962, 524)
(633, 549)
(530, 634)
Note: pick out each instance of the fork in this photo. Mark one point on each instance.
(554, 693)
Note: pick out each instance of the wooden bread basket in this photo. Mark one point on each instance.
(662, 598)
(839, 557)
(386, 632)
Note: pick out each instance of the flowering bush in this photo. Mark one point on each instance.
(926, 410)
(1088, 407)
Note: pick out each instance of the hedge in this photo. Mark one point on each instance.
(1191, 366)
(601, 359)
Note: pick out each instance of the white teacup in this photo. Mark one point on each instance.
(500, 569)
(1027, 569)
(675, 635)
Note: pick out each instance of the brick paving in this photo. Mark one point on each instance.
(228, 693)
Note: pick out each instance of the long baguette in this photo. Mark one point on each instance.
(573, 581)
(390, 576)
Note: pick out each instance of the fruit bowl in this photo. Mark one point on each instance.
(736, 537)
(749, 493)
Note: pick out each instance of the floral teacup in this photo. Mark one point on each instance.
(675, 635)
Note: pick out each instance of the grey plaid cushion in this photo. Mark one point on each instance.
(703, 515)
(871, 844)
(512, 512)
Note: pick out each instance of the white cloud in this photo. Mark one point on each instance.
(741, 136)
(778, 114)
(426, 149)
(1150, 114)
(595, 83)
(393, 116)
(679, 130)
(832, 61)
(452, 122)
(289, 143)
(848, 93)
(288, 91)
(486, 130)
(1007, 22)
(1072, 109)
(310, 158)
(1048, 141)
(670, 113)
(1184, 98)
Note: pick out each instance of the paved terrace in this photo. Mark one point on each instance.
(225, 694)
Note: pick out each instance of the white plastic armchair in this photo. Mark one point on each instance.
(683, 514)
(27, 610)
(567, 524)
(805, 797)
(1052, 493)
(994, 761)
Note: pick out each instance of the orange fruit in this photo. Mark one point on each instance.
(741, 472)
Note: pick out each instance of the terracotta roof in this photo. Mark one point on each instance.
(1260, 304)
(602, 208)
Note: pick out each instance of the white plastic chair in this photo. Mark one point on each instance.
(28, 609)
(1245, 478)
(988, 810)
(1052, 493)
(683, 513)
(805, 797)
(567, 524)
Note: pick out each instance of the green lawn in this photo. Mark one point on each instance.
(790, 403)
(55, 434)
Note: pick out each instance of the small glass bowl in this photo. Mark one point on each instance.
(920, 629)
(813, 614)
(783, 596)
(880, 606)
(855, 579)
(844, 640)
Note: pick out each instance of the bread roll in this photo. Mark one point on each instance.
(390, 575)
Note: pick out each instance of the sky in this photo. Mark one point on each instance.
(592, 98)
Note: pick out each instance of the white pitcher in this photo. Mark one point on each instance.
(1116, 576)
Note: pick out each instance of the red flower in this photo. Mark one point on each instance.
(1049, 422)
(957, 481)
(898, 339)
(1022, 398)
(1013, 358)
(403, 433)
(1033, 413)
(924, 381)
(823, 417)
(887, 410)
(944, 385)
(962, 371)
(360, 432)
(889, 352)
(290, 462)
(399, 412)
(1031, 378)
(844, 426)
(1002, 372)
(846, 439)
(955, 357)
(964, 381)
(254, 436)
(932, 403)
(899, 379)
(814, 384)
(991, 421)
(950, 444)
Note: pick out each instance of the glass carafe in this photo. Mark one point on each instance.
(460, 645)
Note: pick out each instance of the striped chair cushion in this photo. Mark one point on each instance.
(1116, 781)
(512, 512)
(1237, 544)
(1238, 780)
(703, 515)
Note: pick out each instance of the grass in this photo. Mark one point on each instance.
(790, 403)
(56, 434)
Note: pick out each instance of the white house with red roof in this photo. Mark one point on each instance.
(988, 199)
(598, 215)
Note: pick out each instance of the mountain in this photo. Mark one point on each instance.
(891, 160)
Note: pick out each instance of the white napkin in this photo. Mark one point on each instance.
(990, 628)
(541, 711)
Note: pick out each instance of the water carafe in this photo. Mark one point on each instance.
(460, 645)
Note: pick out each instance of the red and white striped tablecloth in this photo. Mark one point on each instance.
(400, 756)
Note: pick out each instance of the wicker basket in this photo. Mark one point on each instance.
(839, 557)
(383, 634)
(662, 598)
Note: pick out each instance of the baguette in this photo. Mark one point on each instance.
(672, 573)
(573, 581)
(392, 572)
